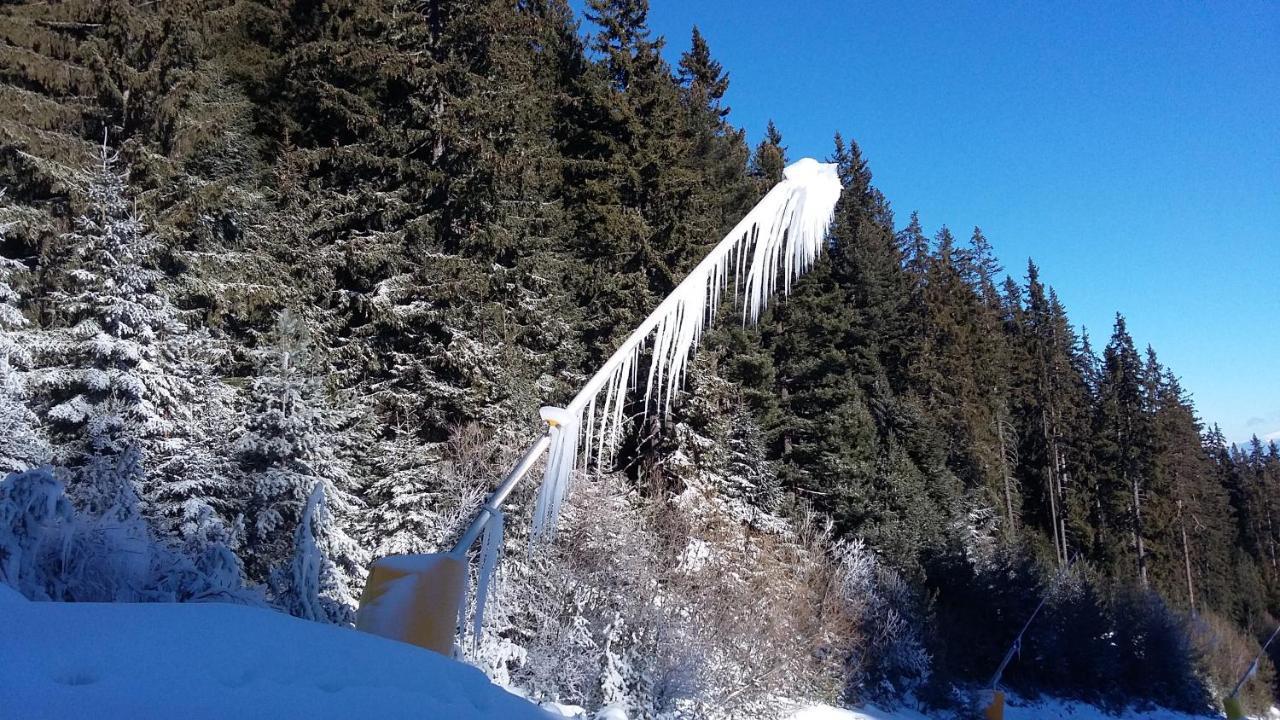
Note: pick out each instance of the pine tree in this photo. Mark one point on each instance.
(770, 157)
(21, 446)
(1196, 528)
(1054, 408)
(1123, 435)
(914, 248)
(122, 369)
(316, 584)
(286, 451)
(703, 77)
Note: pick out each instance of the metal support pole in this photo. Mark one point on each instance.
(1017, 643)
(1252, 666)
(499, 496)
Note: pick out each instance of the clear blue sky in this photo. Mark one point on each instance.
(1132, 149)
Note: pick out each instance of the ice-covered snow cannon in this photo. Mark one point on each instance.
(780, 238)
(421, 599)
(405, 598)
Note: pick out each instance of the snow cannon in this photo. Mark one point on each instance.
(421, 599)
(414, 599)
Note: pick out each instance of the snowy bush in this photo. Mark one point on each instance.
(35, 525)
(672, 609)
(49, 551)
(889, 658)
(1224, 652)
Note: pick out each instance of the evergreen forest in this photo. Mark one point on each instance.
(285, 282)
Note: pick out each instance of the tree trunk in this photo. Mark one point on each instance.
(1138, 543)
(1060, 473)
(1186, 559)
(1050, 447)
(1004, 473)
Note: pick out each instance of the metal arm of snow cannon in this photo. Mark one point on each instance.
(1017, 643)
(1254, 665)
(499, 496)
(995, 708)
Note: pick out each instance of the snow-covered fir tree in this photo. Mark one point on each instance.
(131, 404)
(285, 451)
(119, 362)
(312, 585)
(191, 487)
(21, 445)
(424, 493)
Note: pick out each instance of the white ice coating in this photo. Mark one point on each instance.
(781, 237)
(490, 547)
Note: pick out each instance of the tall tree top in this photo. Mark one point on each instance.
(946, 245)
(624, 38)
(978, 264)
(914, 246)
(770, 157)
(703, 76)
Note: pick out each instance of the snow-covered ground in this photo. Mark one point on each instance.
(1017, 709)
(194, 661)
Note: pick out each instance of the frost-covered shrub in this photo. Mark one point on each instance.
(35, 524)
(49, 551)
(889, 658)
(311, 586)
(1224, 652)
(672, 609)
(575, 607)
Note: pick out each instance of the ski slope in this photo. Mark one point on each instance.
(1017, 709)
(197, 661)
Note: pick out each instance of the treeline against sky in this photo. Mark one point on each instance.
(307, 299)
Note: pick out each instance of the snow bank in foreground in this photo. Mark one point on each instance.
(195, 661)
(1017, 710)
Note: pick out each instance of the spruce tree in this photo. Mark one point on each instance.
(21, 445)
(703, 77)
(1122, 432)
(286, 450)
(770, 158)
(121, 369)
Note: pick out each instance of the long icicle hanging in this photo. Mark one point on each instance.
(490, 547)
(782, 235)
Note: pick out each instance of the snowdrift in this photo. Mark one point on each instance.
(195, 661)
(1018, 709)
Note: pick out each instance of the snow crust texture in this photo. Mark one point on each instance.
(196, 661)
(1016, 709)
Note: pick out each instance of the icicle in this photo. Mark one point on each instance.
(783, 234)
(490, 547)
(560, 461)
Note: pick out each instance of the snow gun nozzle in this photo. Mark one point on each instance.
(555, 417)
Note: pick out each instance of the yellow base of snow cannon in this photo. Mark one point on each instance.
(414, 599)
(995, 711)
(1234, 711)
